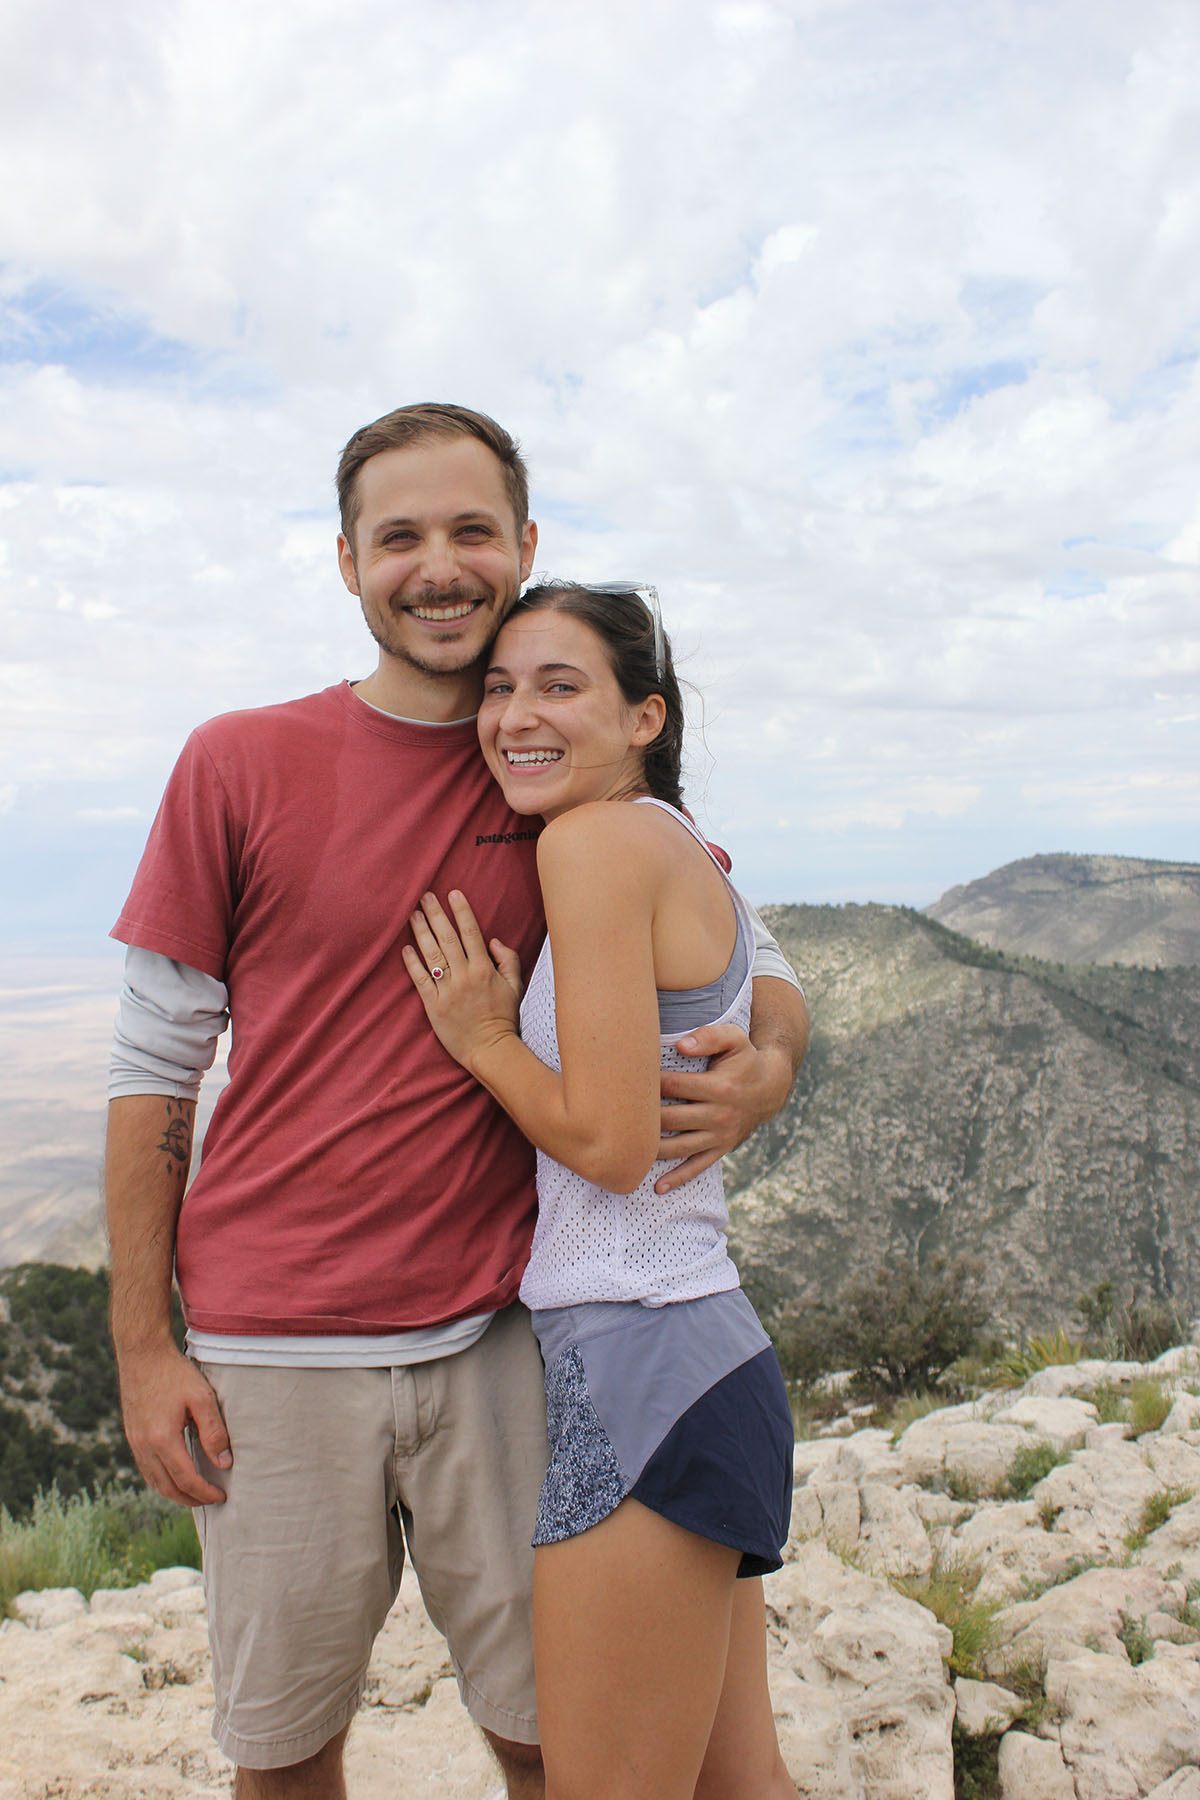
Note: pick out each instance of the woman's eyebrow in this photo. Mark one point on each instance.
(542, 669)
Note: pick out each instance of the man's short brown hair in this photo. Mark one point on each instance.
(411, 425)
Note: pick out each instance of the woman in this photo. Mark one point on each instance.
(670, 1431)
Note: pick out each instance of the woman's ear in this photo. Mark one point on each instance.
(649, 717)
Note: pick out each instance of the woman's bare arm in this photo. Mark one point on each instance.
(600, 1116)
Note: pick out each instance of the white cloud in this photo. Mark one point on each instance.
(871, 332)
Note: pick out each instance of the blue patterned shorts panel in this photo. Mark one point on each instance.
(584, 1481)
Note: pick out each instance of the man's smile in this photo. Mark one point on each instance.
(445, 613)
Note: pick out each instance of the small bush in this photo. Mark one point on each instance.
(1156, 1511)
(948, 1592)
(1136, 1329)
(1111, 1407)
(1027, 1679)
(112, 1538)
(904, 1326)
(962, 1487)
(1149, 1404)
(1189, 1614)
(1051, 1351)
(912, 1407)
(898, 1330)
(1031, 1464)
(805, 1339)
(1136, 1638)
(976, 1764)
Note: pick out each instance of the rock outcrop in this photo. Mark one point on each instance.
(924, 1612)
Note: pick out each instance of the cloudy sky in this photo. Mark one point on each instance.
(867, 328)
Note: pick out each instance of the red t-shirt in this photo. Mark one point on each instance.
(354, 1178)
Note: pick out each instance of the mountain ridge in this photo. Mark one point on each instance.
(1075, 908)
(959, 1099)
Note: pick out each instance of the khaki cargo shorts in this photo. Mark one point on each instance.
(335, 1472)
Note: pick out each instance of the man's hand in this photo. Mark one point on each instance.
(162, 1394)
(747, 1081)
(740, 1089)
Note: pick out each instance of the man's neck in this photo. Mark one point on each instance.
(409, 693)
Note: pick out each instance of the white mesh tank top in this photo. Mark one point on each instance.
(590, 1244)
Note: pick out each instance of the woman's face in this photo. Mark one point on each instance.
(554, 727)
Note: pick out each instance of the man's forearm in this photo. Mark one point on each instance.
(779, 1029)
(148, 1152)
(164, 1396)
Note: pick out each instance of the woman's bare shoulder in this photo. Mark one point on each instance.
(606, 837)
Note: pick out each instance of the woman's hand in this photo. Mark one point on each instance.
(471, 991)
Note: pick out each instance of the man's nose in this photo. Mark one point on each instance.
(439, 563)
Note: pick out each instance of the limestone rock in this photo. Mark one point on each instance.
(1074, 1378)
(1090, 1612)
(1125, 1730)
(892, 1539)
(1062, 1422)
(1183, 1785)
(981, 1707)
(975, 1454)
(1176, 1544)
(48, 1607)
(112, 1700)
(1032, 1768)
(1098, 1497)
(1005, 1540)
(870, 1657)
(1184, 1414)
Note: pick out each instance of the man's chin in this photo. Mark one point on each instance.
(449, 659)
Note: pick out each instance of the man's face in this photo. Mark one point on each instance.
(436, 560)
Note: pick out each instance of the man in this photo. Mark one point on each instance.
(359, 1375)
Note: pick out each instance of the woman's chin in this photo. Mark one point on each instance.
(520, 802)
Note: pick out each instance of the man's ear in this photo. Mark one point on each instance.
(346, 564)
(528, 548)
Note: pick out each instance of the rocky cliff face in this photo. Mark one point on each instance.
(955, 1099)
(1078, 909)
(1002, 1598)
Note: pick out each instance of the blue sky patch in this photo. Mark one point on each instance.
(89, 334)
(1074, 584)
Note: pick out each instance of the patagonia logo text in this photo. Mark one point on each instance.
(505, 837)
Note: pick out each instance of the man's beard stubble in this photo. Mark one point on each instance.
(402, 652)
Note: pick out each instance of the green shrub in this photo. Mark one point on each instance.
(912, 1407)
(1032, 1463)
(805, 1339)
(1149, 1404)
(948, 1592)
(1027, 1679)
(976, 1764)
(112, 1538)
(1136, 1638)
(904, 1326)
(1136, 1329)
(1051, 1351)
(1156, 1511)
(898, 1330)
(1111, 1406)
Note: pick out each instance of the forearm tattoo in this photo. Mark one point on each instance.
(176, 1141)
